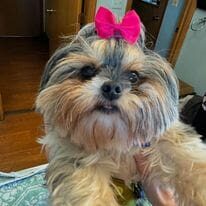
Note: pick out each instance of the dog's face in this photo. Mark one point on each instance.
(108, 94)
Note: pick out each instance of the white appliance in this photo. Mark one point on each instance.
(191, 63)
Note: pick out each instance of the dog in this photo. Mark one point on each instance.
(104, 101)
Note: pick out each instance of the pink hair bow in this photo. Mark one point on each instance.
(106, 26)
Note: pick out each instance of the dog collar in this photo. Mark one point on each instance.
(145, 145)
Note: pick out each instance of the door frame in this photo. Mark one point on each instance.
(129, 5)
(89, 11)
(182, 28)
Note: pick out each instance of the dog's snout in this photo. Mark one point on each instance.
(111, 90)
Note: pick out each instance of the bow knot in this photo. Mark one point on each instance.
(106, 26)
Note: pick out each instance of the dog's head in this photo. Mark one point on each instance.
(107, 93)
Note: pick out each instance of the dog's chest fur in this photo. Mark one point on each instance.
(61, 151)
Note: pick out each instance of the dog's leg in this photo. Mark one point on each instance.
(178, 162)
(78, 185)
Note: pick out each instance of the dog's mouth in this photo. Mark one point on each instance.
(107, 108)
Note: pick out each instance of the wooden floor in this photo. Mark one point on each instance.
(21, 64)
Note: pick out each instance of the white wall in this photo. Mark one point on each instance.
(191, 63)
(117, 6)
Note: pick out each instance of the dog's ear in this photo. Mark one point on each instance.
(59, 54)
(86, 33)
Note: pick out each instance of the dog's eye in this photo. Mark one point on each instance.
(88, 72)
(133, 77)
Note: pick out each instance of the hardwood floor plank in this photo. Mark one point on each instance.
(18, 141)
(21, 160)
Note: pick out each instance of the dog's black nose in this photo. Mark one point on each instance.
(111, 90)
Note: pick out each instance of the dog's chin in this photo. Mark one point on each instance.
(102, 128)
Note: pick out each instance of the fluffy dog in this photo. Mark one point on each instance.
(103, 101)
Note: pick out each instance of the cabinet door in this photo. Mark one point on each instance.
(62, 19)
(20, 17)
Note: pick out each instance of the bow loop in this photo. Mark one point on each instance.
(106, 26)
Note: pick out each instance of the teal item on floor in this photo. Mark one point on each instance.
(24, 188)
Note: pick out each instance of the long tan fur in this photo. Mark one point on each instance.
(87, 146)
(178, 161)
